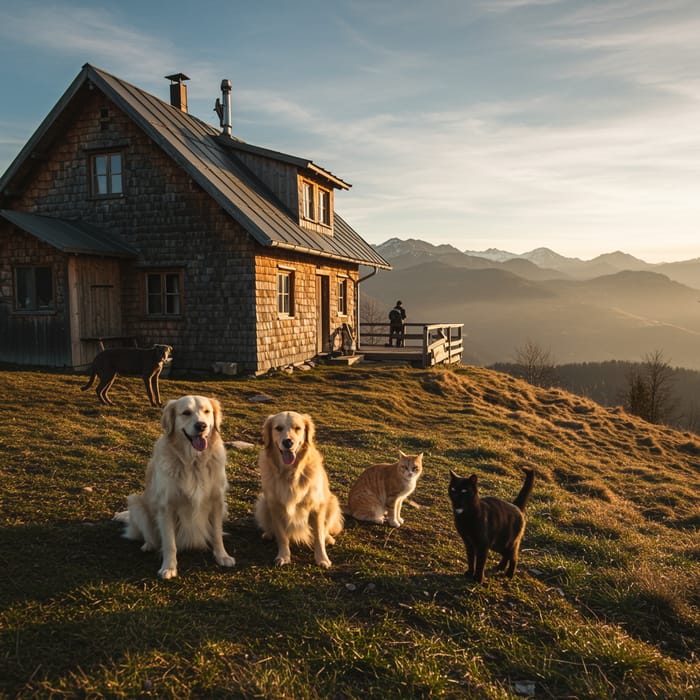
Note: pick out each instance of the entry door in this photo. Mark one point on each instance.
(323, 314)
(95, 303)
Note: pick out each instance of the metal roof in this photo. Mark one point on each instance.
(69, 236)
(198, 149)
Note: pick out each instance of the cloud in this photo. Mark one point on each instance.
(80, 30)
(648, 44)
(103, 36)
(503, 6)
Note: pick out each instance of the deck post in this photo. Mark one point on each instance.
(426, 338)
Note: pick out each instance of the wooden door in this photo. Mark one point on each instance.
(95, 301)
(323, 313)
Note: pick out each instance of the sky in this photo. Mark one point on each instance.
(510, 124)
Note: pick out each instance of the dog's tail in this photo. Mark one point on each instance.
(522, 498)
(93, 374)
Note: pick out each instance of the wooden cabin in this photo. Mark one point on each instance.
(124, 219)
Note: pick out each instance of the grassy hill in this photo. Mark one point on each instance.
(605, 604)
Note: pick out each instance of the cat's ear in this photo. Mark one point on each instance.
(473, 479)
(453, 475)
(401, 454)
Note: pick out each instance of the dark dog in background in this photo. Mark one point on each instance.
(146, 363)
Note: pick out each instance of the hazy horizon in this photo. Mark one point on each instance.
(539, 247)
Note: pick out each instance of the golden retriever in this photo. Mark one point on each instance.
(296, 503)
(183, 505)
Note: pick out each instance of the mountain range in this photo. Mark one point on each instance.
(613, 307)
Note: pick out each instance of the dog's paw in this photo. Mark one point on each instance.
(226, 560)
(324, 563)
(330, 539)
(394, 523)
(167, 573)
(282, 561)
(148, 547)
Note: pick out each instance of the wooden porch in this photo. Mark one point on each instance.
(425, 344)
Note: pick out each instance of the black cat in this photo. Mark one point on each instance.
(489, 523)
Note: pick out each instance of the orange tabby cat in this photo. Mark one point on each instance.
(382, 488)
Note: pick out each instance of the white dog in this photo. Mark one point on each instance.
(296, 503)
(184, 502)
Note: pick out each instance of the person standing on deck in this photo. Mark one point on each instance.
(397, 321)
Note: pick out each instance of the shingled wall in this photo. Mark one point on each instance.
(229, 295)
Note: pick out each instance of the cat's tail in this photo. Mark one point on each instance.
(522, 498)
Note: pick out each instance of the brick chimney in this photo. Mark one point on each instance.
(178, 90)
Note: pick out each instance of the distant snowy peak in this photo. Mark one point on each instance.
(542, 257)
(395, 247)
(494, 254)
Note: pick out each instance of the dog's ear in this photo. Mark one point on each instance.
(217, 414)
(167, 420)
(309, 429)
(267, 431)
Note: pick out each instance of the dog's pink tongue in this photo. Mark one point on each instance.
(199, 443)
(288, 457)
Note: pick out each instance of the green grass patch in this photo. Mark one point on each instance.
(605, 603)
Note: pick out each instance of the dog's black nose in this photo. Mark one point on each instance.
(287, 443)
(200, 426)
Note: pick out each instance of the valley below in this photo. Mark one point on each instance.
(621, 315)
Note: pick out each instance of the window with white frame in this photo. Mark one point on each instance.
(343, 297)
(163, 294)
(285, 292)
(34, 289)
(307, 195)
(107, 172)
(324, 207)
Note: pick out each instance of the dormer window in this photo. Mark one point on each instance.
(316, 203)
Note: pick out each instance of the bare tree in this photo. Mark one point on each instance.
(637, 398)
(649, 389)
(372, 318)
(536, 364)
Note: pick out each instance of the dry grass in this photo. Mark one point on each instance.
(606, 603)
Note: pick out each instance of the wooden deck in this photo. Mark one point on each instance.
(425, 344)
